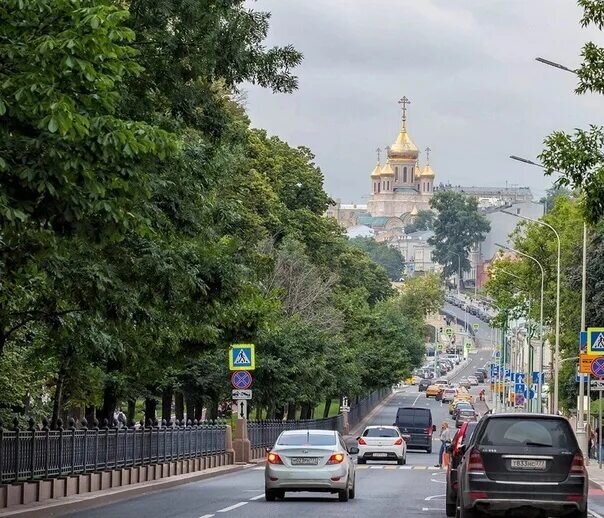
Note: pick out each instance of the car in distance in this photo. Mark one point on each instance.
(449, 394)
(382, 443)
(424, 384)
(415, 425)
(473, 380)
(458, 404)
(524, 463)
(434, 391)
(465, 415)
(310, 460)
(454, 451)
(465, 382)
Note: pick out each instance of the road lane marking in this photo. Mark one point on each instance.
(207, 516)
(258, 469)
(429, 498)
(376, 467)
(406, 467)
(257, 497)
(594, 514)
(421, 467)
(232, 507)
(390, 467)
(416, 399)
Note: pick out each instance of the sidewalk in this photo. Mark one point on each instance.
(596, 475)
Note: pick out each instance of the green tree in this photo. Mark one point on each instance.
(381, 253)
(458, 227)
(423, 221)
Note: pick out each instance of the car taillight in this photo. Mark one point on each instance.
(273, 458)
(475, 461)
(429, 430)
(362, 442)
(578, 465)
(458, 444)
(336, 458)
(398, 442)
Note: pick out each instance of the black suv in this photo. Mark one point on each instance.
(523, 463)
(417, 424)
(424, 384)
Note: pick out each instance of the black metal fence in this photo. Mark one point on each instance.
(263, 434)
(44, 453)
(359, 410)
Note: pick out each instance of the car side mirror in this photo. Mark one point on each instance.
(353, 450)
(434, 428)
(357, 439)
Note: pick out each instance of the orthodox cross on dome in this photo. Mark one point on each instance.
(404, 102)
(379, 154)
(428, 155)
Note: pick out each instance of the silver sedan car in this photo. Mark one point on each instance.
(310, 460)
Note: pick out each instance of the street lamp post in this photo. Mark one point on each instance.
(540, 383)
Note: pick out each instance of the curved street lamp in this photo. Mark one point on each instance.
(539, 386)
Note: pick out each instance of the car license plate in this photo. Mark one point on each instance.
(380, 455)
(305, 461)
(528, 464)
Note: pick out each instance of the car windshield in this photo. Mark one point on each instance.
(467, 412)
(307, 439)
(529, 432)
(380, 432)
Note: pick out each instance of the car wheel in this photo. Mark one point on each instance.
(270, 495)
(280, 493)
(400, 462)
(429, 449)
(450, 504)
(361, 461)
(343, 494)
(579, 514)
(460, 512)
(352, 490)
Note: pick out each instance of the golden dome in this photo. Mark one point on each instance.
(414, 211)
(377, 170)
(387, 170)
(403, 147)
(427, 171)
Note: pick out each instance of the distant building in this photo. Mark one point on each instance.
(490, 197)
(400, 188)
(417, 252)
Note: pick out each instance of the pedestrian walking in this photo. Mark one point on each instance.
(445, 439)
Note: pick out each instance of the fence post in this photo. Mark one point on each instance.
(241, 443)
(85, 459)
(32, 428)
(60, 428)
(72, 427)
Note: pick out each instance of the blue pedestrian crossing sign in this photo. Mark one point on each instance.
(595, 340)
(242, 357)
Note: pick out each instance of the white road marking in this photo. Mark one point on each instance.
(406, 467)
(595, 515)
(206, 516)
(258, 469)
(232, 507)
(428, 498)
(258, 497)
(416, 399)
(431, 509)
(376, 467)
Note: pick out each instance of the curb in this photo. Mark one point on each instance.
(50, 508)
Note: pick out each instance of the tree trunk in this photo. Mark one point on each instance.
(166, 404)
(179, 405)
(131, 413)
(291, 411)
(90, 414)
(57, 404)
(110, 395)
(190, 408)
(327, 408)
(198, 409)
(305, 411)
(150, 410)
(280, 413)
(212, 410)
(271, 410)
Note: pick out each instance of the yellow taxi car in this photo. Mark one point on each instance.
(412, 380)
(434, 391)
(455, 402)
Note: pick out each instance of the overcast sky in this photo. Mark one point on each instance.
(467, 65)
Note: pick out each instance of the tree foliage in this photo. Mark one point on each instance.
(458, 227)
(381, 253)
(423, 221)
(145, 226)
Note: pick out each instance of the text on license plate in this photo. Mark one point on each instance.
(380, 455)
(528, 464)
(305, 461)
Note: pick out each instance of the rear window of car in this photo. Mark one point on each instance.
(466, 411)
(413, 417)
(303, 439)
(380, 432)
(528, 432)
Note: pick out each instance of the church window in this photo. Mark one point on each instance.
(388, 185)
(411, 180)
(396, 174)
(404, 175)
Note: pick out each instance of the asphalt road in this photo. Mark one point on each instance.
(414, 490)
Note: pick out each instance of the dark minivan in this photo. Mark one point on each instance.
(417, 424)
(522, 464)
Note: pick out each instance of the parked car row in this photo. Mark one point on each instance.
(478, 309)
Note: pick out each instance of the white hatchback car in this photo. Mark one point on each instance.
(473, 380)
(310, 460)
(382, 443)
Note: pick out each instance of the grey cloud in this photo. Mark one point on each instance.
(467, 65)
